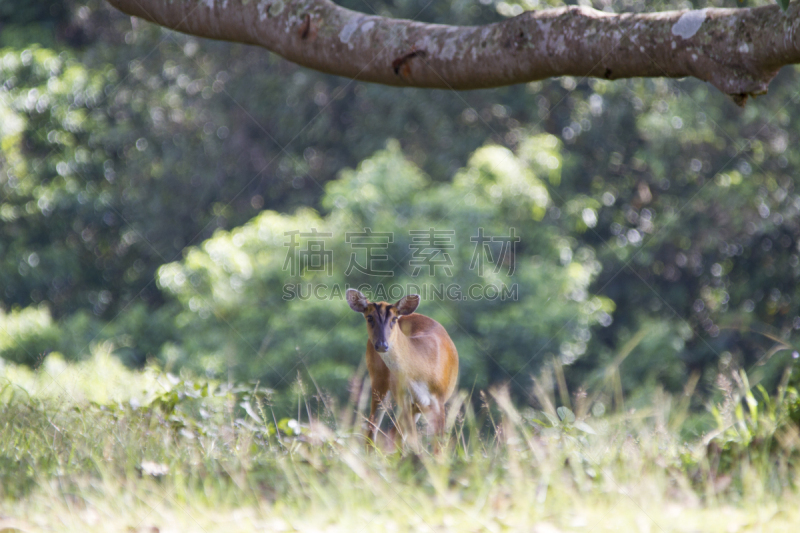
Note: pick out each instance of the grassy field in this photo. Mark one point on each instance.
(95, 447)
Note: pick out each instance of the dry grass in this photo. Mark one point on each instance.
(193, 458)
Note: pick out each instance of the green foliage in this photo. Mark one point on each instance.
(44, 12)
(242, 311)
(27, 335)
(147, 180)
(186, 446)
(122, 145)
(760, 433)
(61, 207)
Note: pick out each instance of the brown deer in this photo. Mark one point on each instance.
(410, 355)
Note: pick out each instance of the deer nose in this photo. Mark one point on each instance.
(381, 346)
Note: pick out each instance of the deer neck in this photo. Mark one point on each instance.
(394, 357)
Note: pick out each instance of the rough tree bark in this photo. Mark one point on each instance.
(737, 50)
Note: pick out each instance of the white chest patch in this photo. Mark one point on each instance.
(418, 389)
(390, 358)
(420, 392)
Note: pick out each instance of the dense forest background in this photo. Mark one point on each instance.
(147, 180)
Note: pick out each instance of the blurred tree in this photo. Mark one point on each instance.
(245, 307)
(697, 223)
(172, 143)
(688, 203)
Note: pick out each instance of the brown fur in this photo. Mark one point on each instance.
(423, 353)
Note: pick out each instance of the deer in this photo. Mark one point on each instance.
(410, 356)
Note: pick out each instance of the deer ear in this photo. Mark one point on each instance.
(407, 304)
(358, 302)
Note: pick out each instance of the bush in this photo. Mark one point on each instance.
(243, 312)
(27, 335)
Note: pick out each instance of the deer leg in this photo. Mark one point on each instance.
(436, 422)
(399, 432)
(409, 416)
(371, 427)
(378, 399)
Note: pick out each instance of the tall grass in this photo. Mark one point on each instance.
(100, 448)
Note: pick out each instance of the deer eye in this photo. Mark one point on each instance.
(369, 319)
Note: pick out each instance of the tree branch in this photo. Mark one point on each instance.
(737, 50)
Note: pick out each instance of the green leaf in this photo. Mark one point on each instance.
(566, 414)
(586, 428)
(289, 426)
(784, 4)
(752, 404)
(552, 419)
(251, 412)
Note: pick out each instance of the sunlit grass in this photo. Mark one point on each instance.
(77, 454)
(103, 379)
